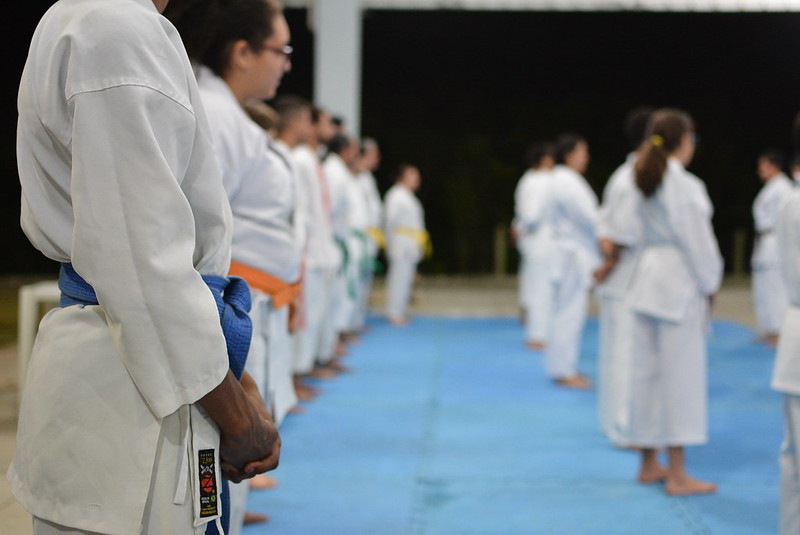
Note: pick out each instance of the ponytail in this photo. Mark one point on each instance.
(664, 133)
(650, 166)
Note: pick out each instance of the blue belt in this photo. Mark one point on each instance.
(232, 295)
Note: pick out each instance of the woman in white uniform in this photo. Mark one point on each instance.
(769, 292)
(619, 242)
(406, 240)
(679, 269)
(575, 257)
(534, 241)
(240, 52)
(786, 375)
(119, 183)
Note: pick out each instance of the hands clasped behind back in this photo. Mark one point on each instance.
(249, 440)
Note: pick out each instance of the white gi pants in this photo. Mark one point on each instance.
(537, 297)
(280, 364)
(399, 282)
(161, 515)
(790, 466)
(614, 368)
(769, 296)
(669, 398)
(570, 301)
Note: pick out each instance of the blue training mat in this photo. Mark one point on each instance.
(450, 427)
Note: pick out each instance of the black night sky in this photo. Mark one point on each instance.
(461, 94)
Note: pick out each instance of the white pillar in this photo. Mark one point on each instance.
(337, 60)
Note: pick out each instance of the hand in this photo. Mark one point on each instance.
(249, 442)
(270, 462)
(251, 389)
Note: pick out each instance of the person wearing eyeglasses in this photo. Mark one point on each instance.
(240, 50)
(769, 291)
(678, 271)
(132, 409)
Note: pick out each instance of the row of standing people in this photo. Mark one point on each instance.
(650, 252)
(308, 218)
(149, 173)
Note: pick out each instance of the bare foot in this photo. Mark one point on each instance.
(323, 372)
(536, 345)
(577, 382)
(652, 474)
(263, 481)
(297, 409)
(254, 518)
(687, 485)
(338, 367)
(399, 322)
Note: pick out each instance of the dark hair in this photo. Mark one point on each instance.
(289, 107)
(774, 156)
(537, 152)
(565, 144)
(209, 28)
(401, 170)
(664, 133)
(316, 113)
(796, 160)
(635, 125)
(339, 143)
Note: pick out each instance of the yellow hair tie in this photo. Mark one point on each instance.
(657, 140)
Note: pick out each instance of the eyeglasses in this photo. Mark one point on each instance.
(285, 51)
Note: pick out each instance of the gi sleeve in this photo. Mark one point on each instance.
(134, 241)
(698, 241)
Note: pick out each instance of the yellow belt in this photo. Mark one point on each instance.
(422, 238)
(377, 236)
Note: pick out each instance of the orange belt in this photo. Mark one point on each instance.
(282, 292)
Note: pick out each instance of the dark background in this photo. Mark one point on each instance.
(461, 95)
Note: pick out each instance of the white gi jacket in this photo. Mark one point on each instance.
(619, 222)
(786, 375)
(118, 176)
(766, 206)
(680, 260)
(574, 219)
(533, 213)
(374, 205)
(403, 210)
(322, 251)
(339, 181)
(258, 182)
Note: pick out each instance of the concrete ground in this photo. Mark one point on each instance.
(440, 296)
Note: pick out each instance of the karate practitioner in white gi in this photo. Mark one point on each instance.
(368, 164)
(620, 239)
(406, 241)
(323, 256)
(130, 399)
(342, 154)
(678, 270)
(576, 255)
(240, 58)
(786, 375)
(295, 128)
(769, 292)
(534, 237)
